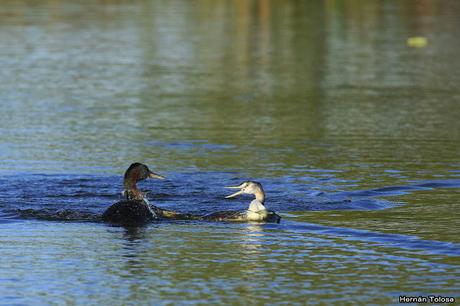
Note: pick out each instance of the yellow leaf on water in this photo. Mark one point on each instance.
(417, 42)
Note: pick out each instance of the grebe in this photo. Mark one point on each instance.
(256, 211)
(135, 208)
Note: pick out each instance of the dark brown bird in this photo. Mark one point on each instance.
(135, 208)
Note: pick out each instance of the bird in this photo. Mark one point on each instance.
(256, 210)
(134, 208)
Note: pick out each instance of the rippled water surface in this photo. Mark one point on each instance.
(354, 135)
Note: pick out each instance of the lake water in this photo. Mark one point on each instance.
(354, 135)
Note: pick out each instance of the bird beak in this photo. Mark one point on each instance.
(233, 187)
(157, 176)
(236, 193)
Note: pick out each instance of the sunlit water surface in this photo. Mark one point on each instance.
(354, 135)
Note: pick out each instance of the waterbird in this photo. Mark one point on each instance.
(256, 211)
(134, 208)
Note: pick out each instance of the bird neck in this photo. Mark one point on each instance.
(132, 176)
(130, 190)
(260, 196)
(134, 194)
(256, 206)
(130, 182)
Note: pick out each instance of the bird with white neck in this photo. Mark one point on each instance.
(257, 211)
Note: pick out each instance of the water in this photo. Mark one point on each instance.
(354, 135)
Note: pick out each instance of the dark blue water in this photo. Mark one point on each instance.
(85, 197)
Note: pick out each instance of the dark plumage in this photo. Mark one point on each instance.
(226, 215)
(241, 216)
(173, 215)
(129, 212)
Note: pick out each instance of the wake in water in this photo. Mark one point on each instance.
(85, 198)
(57, 215)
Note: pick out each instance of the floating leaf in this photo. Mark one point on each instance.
(417, 42)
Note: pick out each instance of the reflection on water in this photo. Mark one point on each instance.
(174, 262)
(251, 239)
(292, 84)
(323, 102)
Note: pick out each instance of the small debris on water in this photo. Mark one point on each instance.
(417, 42)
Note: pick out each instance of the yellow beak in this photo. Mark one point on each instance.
(236, 193)
(157, 176)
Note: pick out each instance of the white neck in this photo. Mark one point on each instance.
(256, 206)
(260, 195)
